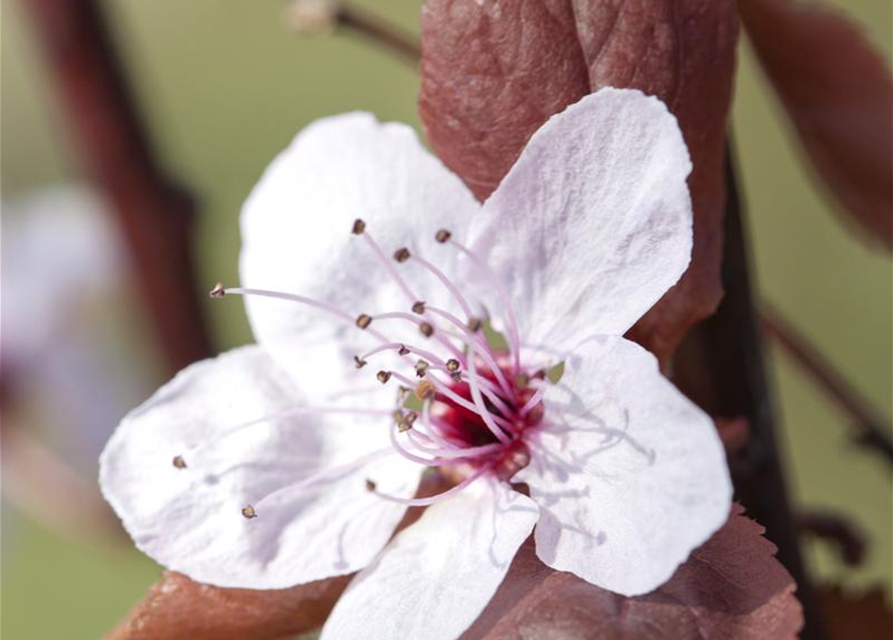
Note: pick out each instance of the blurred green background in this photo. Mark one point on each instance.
(225, 86)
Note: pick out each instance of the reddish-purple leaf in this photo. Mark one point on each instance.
(838, 92)
(731, 588)
(177, 608)
(492, 73)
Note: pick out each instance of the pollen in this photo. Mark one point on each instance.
(452, 365)
(248, 512)
(425, 390)
(359, 226)
(383, 376)
(426, 329)
(443, 235)
(218, 291)
(402, 254)
(179, 462)
(364, 320)
(418, 307)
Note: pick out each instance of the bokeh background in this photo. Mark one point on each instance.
(224, 86)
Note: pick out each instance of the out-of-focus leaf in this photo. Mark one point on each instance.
(177, 608)
(731, 587)
(492, 73)
(865, 615)
(838, 92)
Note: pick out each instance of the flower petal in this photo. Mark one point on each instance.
(630, 476)
(435, 577)
(593, 223)
(186, 514)
(296, 229)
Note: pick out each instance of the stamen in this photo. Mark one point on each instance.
(218, 291)
(403, 350)
(383, 376)
(426, 329)
(425, 390)
(370, 485)
(421, 368)
(359, 362)
(423, 502)
(402, 254)
(452, 365)
(418, 307)
(179, 462)
(443, 235)
(248, 512)
(363, 321)
(359, 226)
(475, 324)
(531, 404)
(506, 302)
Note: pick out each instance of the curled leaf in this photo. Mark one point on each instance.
(838, 92)
(731, 587)
(492, 73)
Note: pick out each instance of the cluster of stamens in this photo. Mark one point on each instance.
(467, 412)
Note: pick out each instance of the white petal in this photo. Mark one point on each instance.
(593, 223)
(633, 477)
(436, 576)
(296, 229)
(189, 519)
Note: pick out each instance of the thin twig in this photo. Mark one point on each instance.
(849, 539)
(312, 16)
(869, 429)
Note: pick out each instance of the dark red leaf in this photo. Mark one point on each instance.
(731, 588)
(864, 615)
(177, 608)
(492, 73)
(838, 92)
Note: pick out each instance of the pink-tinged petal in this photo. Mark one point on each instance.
(436, 577)
(296, 229)
(593, 223)
(180, 468)
(838, 92)
(630, 476)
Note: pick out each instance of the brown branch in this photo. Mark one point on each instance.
(313, 16)
(869, 429)
(848, 538)
(155, 214)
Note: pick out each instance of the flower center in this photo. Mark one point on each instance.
(463, 404)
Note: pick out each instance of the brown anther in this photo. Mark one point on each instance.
(522, 380)
(426, 329)
(425, 390)
(359, 362)
(457, 377)
(402, 254)
(218, 291)
(402, 350)
(443, 235)
(403, 426)
(411, 417)
(383, 376)
(248, 512)
(363, 320)
(358, 227)
(418, 307)
(370, 485)
(475, 324)
(179, 462)
(452, 365)
(421, 368)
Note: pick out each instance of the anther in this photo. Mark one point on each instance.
(443, 235)
(402, 421)
(452, 365)
(403, 393)
(383, 376)
(359, 362)
(427, 329)
(370, 485)
(457, 377)
(425, 390)
(218, 291)
(248, 512)
(363, 320)
(418, 307)
(522, 380)
(475, 324)
(411, 417)
(402, 254)
(358, 227)
(421, 368)
(179, 462)
(402, 350)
